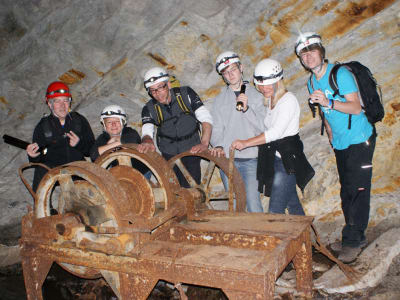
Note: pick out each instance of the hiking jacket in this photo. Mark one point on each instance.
(178, 131)
(50, 134)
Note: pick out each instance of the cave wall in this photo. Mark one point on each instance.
(102, 49)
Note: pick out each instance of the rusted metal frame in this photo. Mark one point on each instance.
(160, 269)
(186, 173)
(205, 181)
(248, 241)
(230, 179)
(303, 264)
(35, 270)
(24, 181)
(222, 163)
(178, 210)
(136, 286)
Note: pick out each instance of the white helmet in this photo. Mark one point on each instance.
(113, 111)
(226, 59)
(155, 75)
(306, 39)
(267, 71)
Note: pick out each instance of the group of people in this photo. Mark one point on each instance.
(261, 122)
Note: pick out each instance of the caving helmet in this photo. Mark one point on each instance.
(268, 71)
(113, 111)
(57, 89)
(225, 59)
(307, 39)
(154, 76)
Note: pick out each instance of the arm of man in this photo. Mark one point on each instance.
(38, 139)
(148, 129)
(255, 112)
(347, 87)
(147, 144)
(204, 117)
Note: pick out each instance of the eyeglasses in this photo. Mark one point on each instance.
(229, 72)
(261, 79)
(159, 89)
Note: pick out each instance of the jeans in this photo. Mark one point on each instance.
(248, 170)
(354, 166)
(283, 192)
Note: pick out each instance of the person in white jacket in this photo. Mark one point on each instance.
(281, 160)
(237, 113)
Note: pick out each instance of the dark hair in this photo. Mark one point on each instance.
(314, 47)
(318, 47)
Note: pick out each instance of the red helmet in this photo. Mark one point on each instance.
(57, 89)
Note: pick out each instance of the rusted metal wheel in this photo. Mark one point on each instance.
(87, 190)
(162, 193)
(238, 188)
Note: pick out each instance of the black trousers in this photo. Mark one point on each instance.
(354, 166)
(192, 164)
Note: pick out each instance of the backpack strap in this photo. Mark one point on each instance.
(334, 86)
(160, 117)
(178, 94)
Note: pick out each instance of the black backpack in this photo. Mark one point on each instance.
(369, 91)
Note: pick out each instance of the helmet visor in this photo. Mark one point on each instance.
(110, 113)
(154, 78)
(261, 79)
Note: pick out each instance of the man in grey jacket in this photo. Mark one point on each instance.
(238, 113)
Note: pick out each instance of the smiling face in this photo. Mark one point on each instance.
(113, 126)
(59, 106)
(267, 90)
(160, 92)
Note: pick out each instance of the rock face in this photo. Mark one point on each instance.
(102, 49)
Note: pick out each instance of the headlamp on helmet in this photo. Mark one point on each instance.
(57, 89)
(225, 59)
(307, 39)
(113, 111)
(268, 71)
(154, 76)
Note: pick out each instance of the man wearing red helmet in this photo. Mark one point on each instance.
(67, 136)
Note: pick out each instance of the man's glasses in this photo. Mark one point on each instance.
(159, 89)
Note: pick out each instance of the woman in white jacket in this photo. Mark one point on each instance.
(281, 160)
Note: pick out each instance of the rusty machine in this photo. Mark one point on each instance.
(113, 222)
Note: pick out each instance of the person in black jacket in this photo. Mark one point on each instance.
(113, 118)
(281, 160)
(67, 136)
